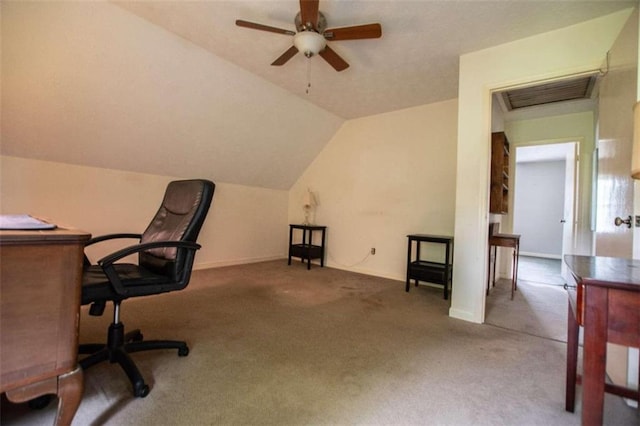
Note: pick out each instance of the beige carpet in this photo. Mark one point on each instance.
(278, 345)
(538, 309)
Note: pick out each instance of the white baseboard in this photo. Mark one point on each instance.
(463, 315)
(233, 262)
(543, 255)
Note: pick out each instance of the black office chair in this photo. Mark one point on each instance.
(166, 252)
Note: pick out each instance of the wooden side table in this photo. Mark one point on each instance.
(306, 250)
(430, 271)
(503, 240)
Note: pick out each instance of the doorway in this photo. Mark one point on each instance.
(550, 190)
(544, 192)
(544, 209)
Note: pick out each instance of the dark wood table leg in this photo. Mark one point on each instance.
(309, 249)
(516, 263)
(495, 260)
(446, 272)
(489, 270)
(594, 355)
(290, 244)
(408, 284)
(70, 388)
(513, 273)
(322, 250)
(417, 258)
(572, 359)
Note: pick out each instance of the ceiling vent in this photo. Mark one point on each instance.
(548, 93)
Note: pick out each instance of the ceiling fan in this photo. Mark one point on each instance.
(312, 35)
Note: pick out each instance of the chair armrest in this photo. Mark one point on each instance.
(106, 263)
(107, 237)
(112, 237)
(115, 256)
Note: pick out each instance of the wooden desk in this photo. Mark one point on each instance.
(40, 287)
(607, 304)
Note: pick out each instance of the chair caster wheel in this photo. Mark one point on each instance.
(133, 336)
(183, 351)
(141, 391)
(40, 402)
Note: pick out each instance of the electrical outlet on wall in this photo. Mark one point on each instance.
(373, 250)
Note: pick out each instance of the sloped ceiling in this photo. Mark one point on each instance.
(92, 84)
(175, 88)
(414, 63)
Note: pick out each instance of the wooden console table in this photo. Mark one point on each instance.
(607, 304)
(430, 271)
(503, 240)
(307, 250)
(39, 314)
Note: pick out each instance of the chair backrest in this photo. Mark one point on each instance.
(179, 218)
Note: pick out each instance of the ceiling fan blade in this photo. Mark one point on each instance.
(356, 32)
(285, 56)
(333, 59)
(309, 12)
(254, 26)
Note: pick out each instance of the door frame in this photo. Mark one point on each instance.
(572, 184)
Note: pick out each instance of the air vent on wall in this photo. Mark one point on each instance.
(557, 91)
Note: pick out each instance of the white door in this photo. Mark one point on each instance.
(615, 186)
(618, 92)
(570, 219)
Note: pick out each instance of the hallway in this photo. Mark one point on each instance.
(540, 270)
(539, 306)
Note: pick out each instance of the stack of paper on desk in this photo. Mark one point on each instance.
(23, 221)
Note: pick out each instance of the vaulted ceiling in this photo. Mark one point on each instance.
(415, 62)
(176, 88)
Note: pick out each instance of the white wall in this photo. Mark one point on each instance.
(634, 354)
(245, 224)
(89, 83)
(379, 179)
(575, 49)
(636, 197)
(539, 207)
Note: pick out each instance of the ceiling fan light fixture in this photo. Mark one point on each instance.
(312, 35)
(310, 43)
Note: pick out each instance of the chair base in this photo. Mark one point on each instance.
(119, 346)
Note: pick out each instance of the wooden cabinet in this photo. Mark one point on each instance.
(499, 197)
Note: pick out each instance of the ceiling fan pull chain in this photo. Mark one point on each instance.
(308, 76)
